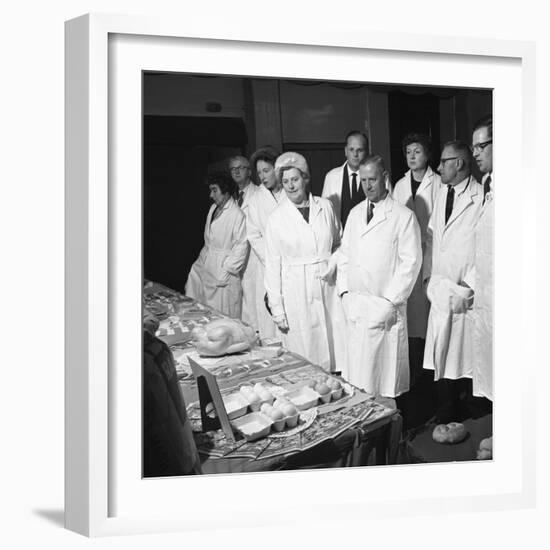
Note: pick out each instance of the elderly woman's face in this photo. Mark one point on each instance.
(294, 185)
(217, 196)
(417, 159)
(266, 174)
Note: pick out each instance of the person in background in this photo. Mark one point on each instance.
(417, 190)
(378, 265)
(215, 277)
(341, 184)
(448, 263)
(262, 203)
(168, 445)
(302, 236)
(482, 378)
(239, 168)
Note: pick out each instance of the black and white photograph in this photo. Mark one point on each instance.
(317, 274)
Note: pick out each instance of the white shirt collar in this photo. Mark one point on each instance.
(462, 186)
(350, 172)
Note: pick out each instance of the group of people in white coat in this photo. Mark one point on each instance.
(351, 279)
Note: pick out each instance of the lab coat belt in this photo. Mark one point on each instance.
(218, 250)
(305, 260)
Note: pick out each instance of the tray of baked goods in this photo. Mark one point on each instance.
(264, 409)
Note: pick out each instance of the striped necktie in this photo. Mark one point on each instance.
(370, 212)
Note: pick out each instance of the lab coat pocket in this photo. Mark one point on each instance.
(224, 279)
(381, 313)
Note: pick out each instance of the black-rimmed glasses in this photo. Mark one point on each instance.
(478, 147)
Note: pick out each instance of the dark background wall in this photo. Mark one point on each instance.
(193, 123)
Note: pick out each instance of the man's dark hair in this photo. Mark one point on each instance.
(357, 133)
(485, 122)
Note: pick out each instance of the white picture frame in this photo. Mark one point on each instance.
(105, 55)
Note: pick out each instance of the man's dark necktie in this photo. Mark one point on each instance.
(240, 199)
(486, 188)
(370, 212)
(449, 203)
(354, 189)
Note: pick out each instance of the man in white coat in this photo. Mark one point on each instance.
(341, 186)
(378, 264)
(482, 379)
(448, 264)
(239, 168)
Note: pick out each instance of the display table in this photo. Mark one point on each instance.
(356, 430)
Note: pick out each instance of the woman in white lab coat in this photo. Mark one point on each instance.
(262, 203)
(215, 277)
(417, 190)
(302, 236)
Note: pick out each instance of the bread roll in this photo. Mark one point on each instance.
(485, 451)
(454, 432)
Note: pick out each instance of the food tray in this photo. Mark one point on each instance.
(304, 420)
(256, 405)
(235, 405)
(303, 398)
(253, 426)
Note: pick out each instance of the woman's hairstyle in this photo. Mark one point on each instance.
(267, 154)
(421, 139)
(224, 181)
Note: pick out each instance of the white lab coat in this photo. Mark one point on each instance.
(482, 378)
(215, 277)
(378, 265)
(249, 275)
(449, 262)
(260, 206)
(418, 305)
(332, 188)
(296, 254)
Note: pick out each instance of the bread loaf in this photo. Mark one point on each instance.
(223, 336)
(485, 451)
(454, 432)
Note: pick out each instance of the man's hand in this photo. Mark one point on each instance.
(390, 318)
(282, 323)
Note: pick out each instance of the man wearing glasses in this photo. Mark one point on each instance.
(239, 168)
(482, 379)
(449, 261)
